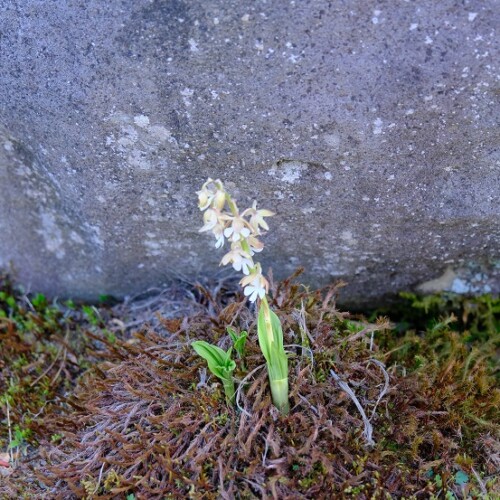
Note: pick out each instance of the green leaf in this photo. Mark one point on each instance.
(270, 334)
(239, 341)
(70, 304)
(271, 343)
(211, 353)
(461, 478)
(219, 362)
(227, 358)
(232, 334)
(92, 314)
(39, 301)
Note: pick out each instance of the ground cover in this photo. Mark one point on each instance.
(111, 401)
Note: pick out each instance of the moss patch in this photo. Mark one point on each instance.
(147, 420)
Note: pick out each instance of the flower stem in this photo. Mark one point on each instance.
(229, 390)
(246, 248)
(279, 392)
(232, 205)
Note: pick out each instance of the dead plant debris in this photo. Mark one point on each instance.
(99, 413)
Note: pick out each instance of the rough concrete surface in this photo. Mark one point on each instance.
(370, 127)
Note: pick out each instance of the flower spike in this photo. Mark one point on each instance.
(242, 231)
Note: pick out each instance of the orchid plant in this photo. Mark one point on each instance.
(242, 230)
(219, 363)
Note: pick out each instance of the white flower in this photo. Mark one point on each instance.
(205, 196)
(255, 245)
(240, 259)
(255, 285)
(204, 199)
(218, 231)
(242, 231)
(212, 192)
(257, 217)
(255, 289)
(211, 220)
(237, 230)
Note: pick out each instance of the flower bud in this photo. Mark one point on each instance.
(219, 200)
(203, 200)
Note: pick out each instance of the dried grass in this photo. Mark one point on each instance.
(150, 420)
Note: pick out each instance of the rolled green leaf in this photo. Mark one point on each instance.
(270, 337)
(279, 393)
(219, 363)
(239, 342)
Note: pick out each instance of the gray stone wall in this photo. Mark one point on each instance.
(370, 127)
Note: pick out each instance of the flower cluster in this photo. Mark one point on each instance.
(241, 230)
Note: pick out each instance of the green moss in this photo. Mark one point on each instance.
(40, 343)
